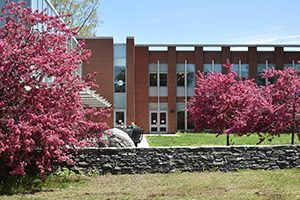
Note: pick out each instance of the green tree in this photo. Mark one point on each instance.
(83, 14)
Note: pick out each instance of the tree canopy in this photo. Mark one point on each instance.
(226, 104)
(79, 13)
(41, 121)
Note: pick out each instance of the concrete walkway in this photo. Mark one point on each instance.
(143, 143)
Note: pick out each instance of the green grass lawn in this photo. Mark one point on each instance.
(198, 139)
(245, 184)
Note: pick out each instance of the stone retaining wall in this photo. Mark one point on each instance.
(163, 160)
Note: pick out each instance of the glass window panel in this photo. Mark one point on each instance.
(153, 118)
(120, 116)
(163, 67)
(180, 120)
(236, 68)
(180, 106)
(179, 67)
(154, 129)
(162, 107)
(152, 106)
(153, 80)
(120, 100)
(190, 124)
(163, 118)
(120, 51)
(163, 80)
(245, 70)
(163, 91)
(191, 67)
(190, 91)
(180, 79)
(261, 68)
(190, 79)
(153, 68)
(163, 129)
(120, 87)
(218, 68)
(153, 91)
(180, 91)
(120, 73)
(120, 62)
(207, 68)
(288, 65)
(296, 66)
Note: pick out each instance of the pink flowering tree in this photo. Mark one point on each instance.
(41, 121)
(225, 104)
(284, 102)
(221, 101)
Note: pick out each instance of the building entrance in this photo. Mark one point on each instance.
(158, 122)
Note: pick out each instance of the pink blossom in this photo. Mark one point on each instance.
(41, 122)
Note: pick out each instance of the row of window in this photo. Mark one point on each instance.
(120, 77)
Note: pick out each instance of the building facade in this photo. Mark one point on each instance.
(151, 84)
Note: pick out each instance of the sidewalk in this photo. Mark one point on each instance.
(143, 143)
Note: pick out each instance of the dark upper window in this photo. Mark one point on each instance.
(153, 79)
(180, 78)
(163, 79)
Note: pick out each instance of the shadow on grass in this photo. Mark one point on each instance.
(32, 184)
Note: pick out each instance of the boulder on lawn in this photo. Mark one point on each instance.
(118, 138)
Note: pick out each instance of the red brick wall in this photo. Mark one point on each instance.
(130, 80)
(141, 88)
(226, 54)
(198, 57)
(172, 84)
(101, 62)
(252, 62)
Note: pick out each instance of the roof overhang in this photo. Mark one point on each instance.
(91, 99)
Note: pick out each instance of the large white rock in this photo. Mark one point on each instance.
(118, 138)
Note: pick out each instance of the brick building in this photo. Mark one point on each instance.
(147, 84)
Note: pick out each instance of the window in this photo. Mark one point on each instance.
(294, 65)
(153, 80)
(120, 118)
(212, 67)
(260, 70)
(180, 79)
(158, 76)
(181, 118)
(153, 76)
(163, 79)
(242, 70)
(190, 72)
(119, 80)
